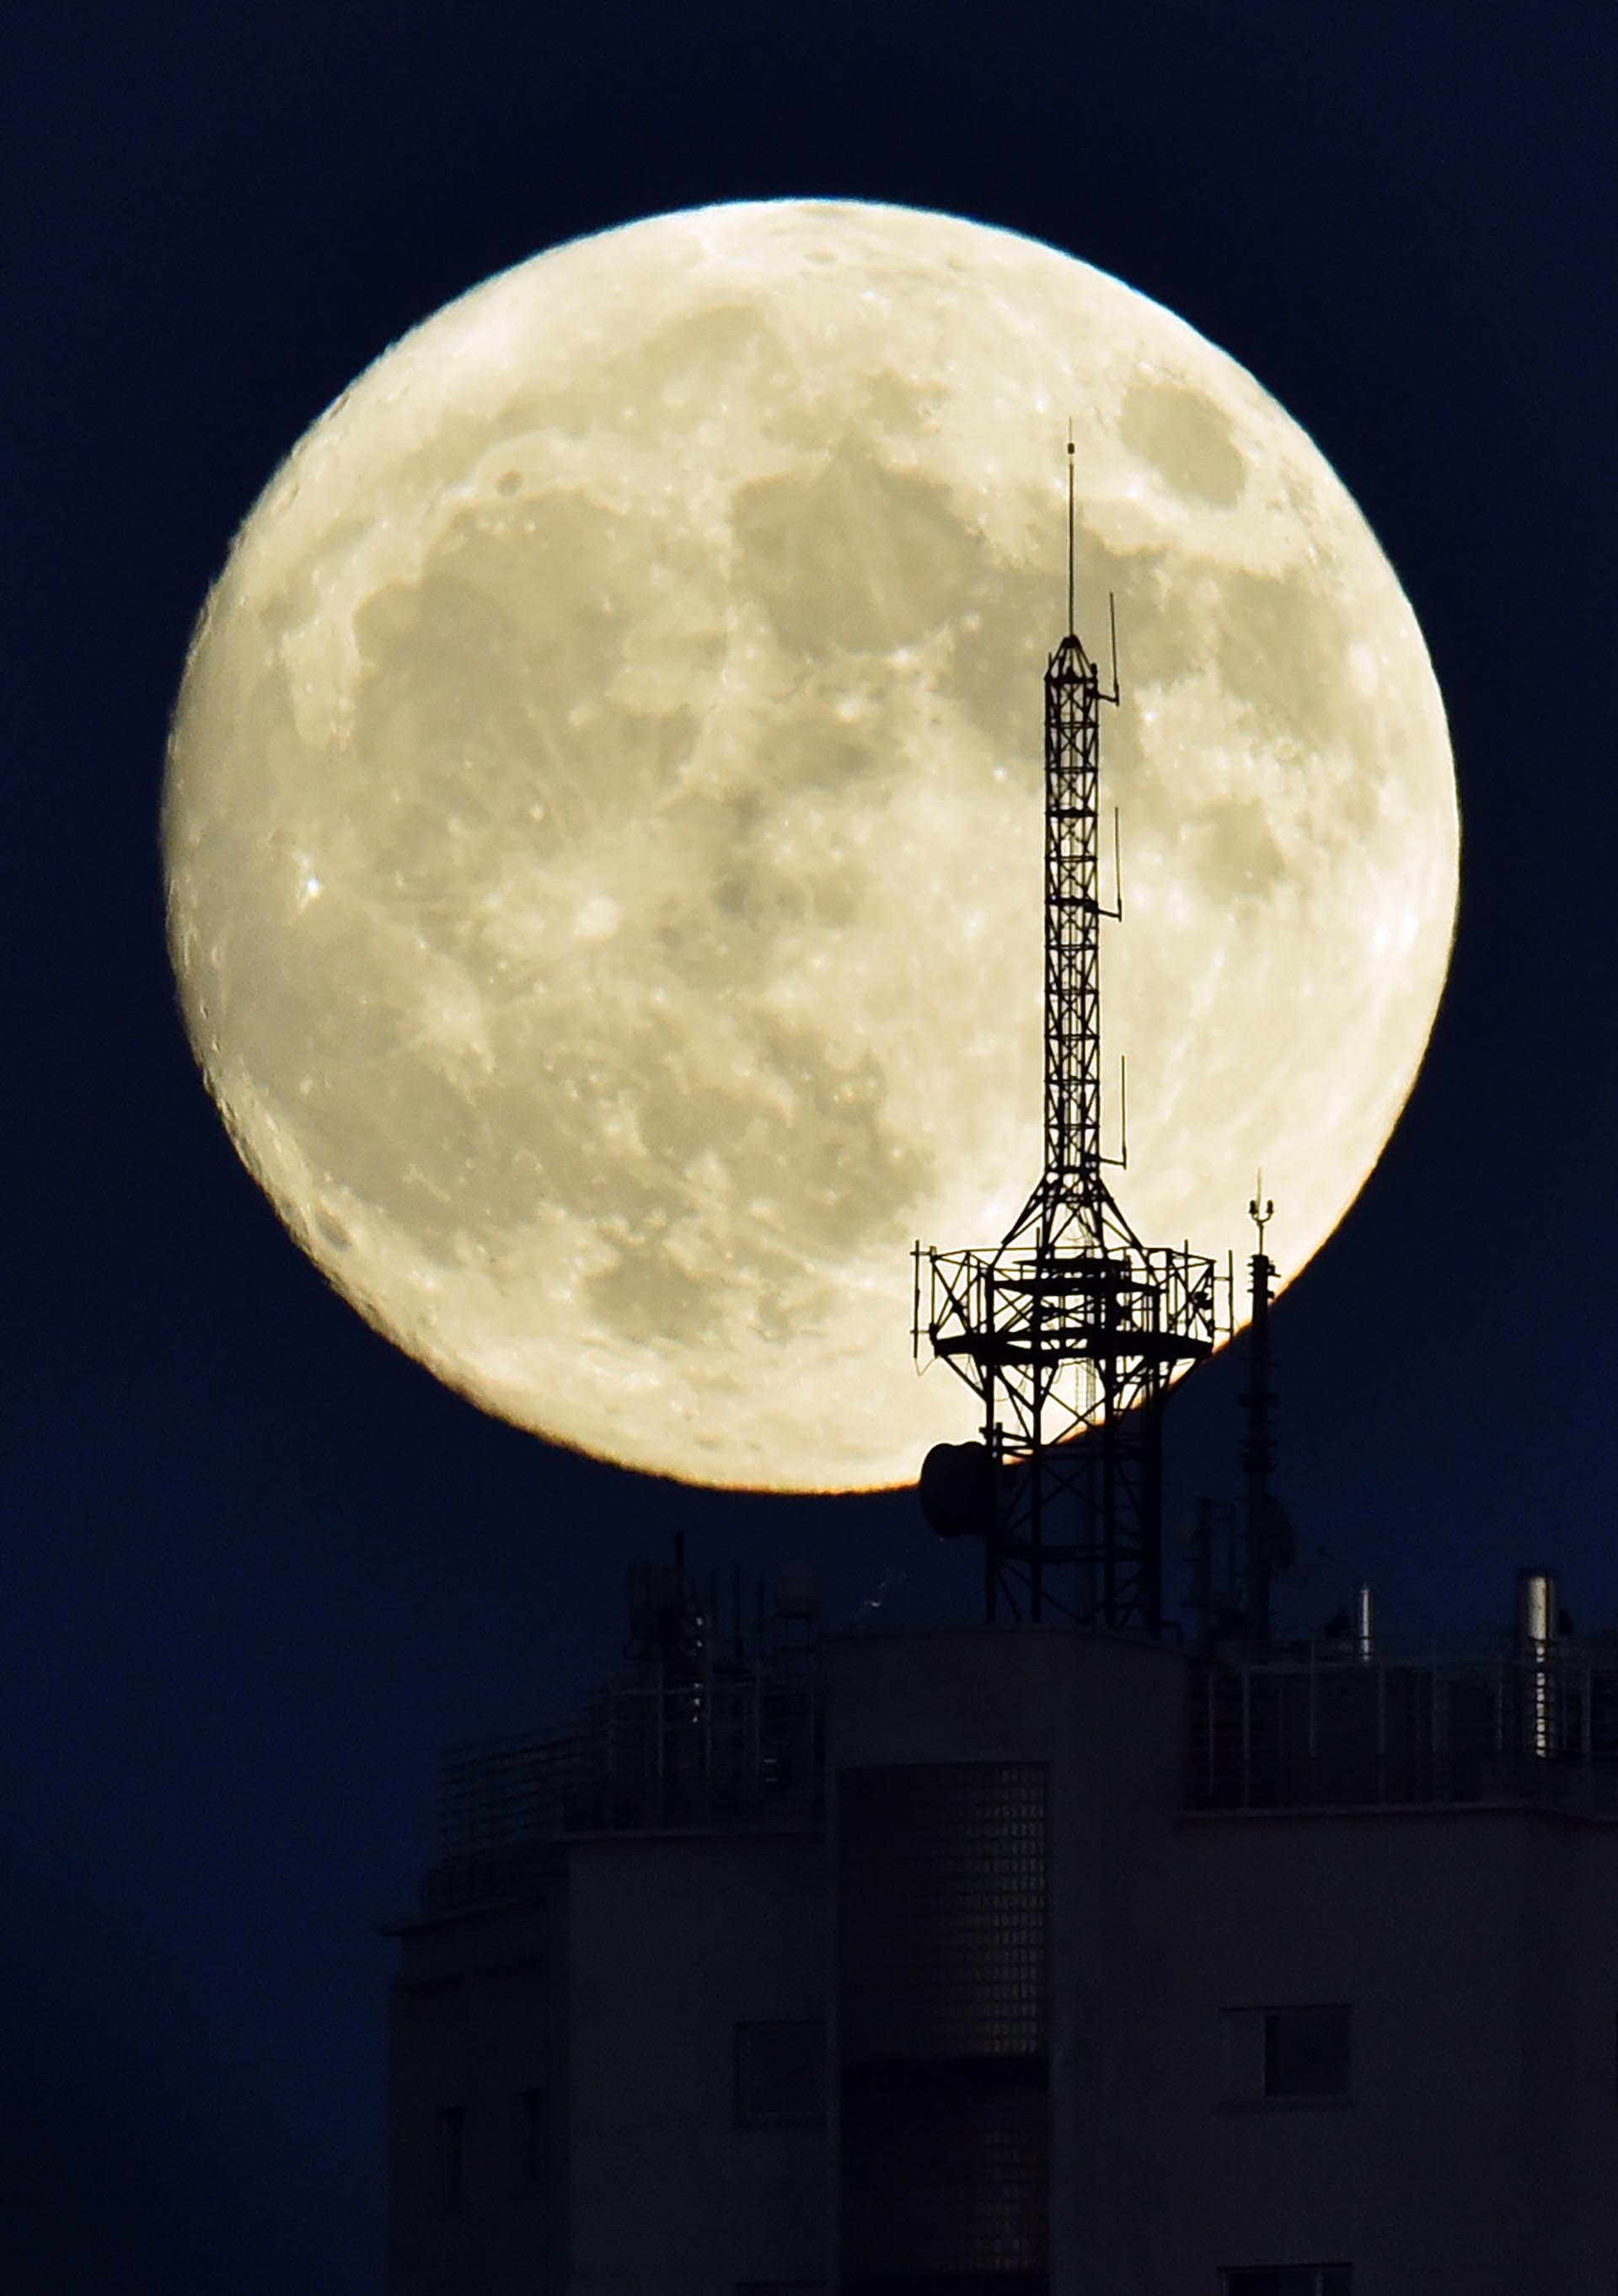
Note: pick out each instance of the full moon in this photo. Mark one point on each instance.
(604, 818)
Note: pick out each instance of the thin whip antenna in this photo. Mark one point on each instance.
(1069, 529)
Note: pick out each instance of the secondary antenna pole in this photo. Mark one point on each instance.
(1259, 1444)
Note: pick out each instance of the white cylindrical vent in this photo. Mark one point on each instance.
(1536, 1606)
(1536, 1629)
(1364, 1638)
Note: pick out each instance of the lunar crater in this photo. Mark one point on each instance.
(1189, 443)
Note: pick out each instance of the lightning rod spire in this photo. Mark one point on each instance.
(1070, 531)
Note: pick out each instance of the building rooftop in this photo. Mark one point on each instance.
(690, 1741)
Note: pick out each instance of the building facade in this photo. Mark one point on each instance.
(1025, 1960)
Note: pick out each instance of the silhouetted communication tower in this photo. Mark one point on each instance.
(1070, 1330)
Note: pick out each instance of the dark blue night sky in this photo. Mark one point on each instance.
(256, 1567)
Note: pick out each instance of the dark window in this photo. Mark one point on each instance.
(1300, 2054)
(1286, 2279)
(528, 2138)
(1306, 2053)
(452, 2155)
(780, 2075)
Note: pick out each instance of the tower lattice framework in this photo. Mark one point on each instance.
(1070, 1330)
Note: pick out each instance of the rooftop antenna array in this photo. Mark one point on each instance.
(1240, 1551)
(1069, 1330)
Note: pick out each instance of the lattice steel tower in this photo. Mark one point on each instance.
(1069, 1330)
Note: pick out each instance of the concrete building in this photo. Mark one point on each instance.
(1012, 1959)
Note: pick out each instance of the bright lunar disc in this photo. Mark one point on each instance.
(603, 819)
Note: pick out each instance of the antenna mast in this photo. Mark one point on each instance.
(1256, 1535)
(1269, 1547)
(1069, 1330)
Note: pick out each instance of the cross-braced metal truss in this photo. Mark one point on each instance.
(1070, 1330)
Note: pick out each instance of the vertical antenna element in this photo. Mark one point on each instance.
(1071, 631)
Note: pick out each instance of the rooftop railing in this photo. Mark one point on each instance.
(1484, 1719)
(735, 1749)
